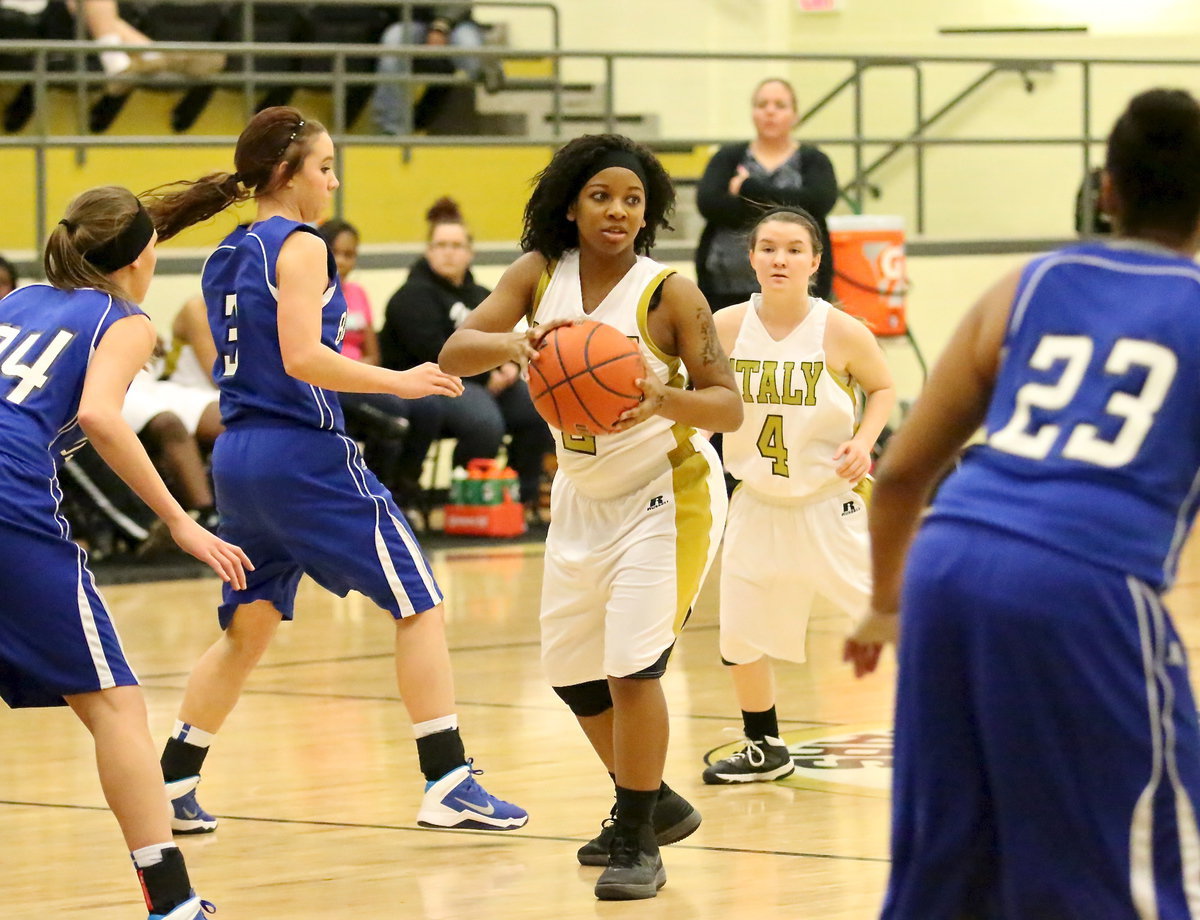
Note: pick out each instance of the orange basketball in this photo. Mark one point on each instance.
(584, 377)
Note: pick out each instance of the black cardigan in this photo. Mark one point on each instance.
(418, 321)
(817, 196)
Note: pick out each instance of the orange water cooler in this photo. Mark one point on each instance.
(870, 277)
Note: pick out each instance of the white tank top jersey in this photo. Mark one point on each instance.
(183, 367)
(609, 465)
(797, 411)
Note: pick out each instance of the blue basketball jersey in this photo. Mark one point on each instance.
(239, 286)
(47, 337)
(1093, 430)
(56, 636)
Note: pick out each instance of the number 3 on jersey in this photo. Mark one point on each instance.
(30, 376)
(231, 357)
(1136, 410)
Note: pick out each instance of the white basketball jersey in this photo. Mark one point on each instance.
(797, 412)
(608, 465)
(183, 367)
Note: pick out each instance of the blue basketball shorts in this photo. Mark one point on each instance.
(56, 636)
(1047, 748)
(301, 501)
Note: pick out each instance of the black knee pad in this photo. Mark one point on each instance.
(654, 670)
(587, 699)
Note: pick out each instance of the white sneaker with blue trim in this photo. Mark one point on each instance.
(187, 817)
(456, 800)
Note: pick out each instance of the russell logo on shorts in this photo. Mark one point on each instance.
(659, 501)
(849, 507)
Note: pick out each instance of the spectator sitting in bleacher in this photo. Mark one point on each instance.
(8, 277)
(378, 420)
(437, 296)
(105, 25)
(449, 24)
(177, 423)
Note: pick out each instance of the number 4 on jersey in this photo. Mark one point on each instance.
(33, 376)
(771, 445)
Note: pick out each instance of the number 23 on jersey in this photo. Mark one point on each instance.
(1136, 411)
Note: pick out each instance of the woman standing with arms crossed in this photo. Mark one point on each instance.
(70, 349)
(798, 522)
(743, 179)
(289, 483)
(1047, 748)
(636, 515)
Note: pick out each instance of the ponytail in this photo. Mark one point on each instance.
(208, 196)
(269, 151)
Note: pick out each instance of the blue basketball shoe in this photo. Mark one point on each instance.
(191, 909)
(187, 817)
(456, 800)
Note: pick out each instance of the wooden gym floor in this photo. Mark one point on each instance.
(315, 775)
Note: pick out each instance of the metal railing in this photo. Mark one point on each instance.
(919, 139)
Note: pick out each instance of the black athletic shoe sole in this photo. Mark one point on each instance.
(626, 891)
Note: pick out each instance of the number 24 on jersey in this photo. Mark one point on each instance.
(30, 375)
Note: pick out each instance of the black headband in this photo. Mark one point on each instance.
(125, 246)
(621, 158)
(291, 138)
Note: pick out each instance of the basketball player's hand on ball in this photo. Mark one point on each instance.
(654, 394)
(426, 380)
(853, 461)
(225, 559)
(864, 645)
(524, 346)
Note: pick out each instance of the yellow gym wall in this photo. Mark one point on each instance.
(982, 192)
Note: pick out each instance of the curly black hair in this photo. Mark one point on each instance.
(547, 229)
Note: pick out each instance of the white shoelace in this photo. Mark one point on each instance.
(752, 753)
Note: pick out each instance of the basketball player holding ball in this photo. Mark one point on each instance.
(798, 521)
(636, 515)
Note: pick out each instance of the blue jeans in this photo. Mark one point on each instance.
(393, 101)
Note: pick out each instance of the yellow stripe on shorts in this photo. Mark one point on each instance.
(693, 521)
(865, 490)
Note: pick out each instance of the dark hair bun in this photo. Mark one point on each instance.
(1167, 118)
(444, 211)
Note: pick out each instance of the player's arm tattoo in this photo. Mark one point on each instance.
(711, 352)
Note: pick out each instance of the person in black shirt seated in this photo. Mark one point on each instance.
(437, 296)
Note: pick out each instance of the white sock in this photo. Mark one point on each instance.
(112, 62)
(152, 855)
(433, 726)
(189, 734)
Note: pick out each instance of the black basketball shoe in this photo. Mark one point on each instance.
(674, 818)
